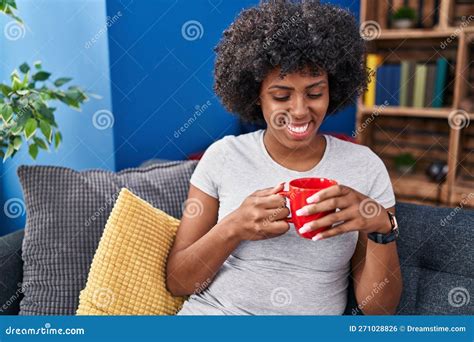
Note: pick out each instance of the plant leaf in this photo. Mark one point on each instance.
(40, 142)
(11, 3)
(9, 152)
(46, 130)
(41, 76)
(57, 139)
(17, 143)
(30, 128)
(33, 151)
(16, 83)
(60, 81)
(6, 90)
(24, 68)
(37, 64)
(6, 112)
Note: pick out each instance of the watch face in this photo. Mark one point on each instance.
(393, 219)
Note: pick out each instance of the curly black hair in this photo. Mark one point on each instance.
(295, 36)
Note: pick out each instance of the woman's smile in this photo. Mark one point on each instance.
(300, 131)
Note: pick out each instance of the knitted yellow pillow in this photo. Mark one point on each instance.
(127, 275)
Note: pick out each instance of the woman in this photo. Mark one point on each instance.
(287, 64)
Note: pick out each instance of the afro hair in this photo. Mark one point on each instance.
(294, 36)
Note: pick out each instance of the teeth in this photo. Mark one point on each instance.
(298, 129)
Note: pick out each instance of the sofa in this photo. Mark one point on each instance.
(436, 257)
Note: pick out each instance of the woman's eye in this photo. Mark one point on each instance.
(283, 98)
(314, 96)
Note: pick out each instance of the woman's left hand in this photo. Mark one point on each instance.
(358, 212)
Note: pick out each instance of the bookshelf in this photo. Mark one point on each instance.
(444, 28)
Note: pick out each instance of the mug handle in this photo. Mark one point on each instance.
(287, 195)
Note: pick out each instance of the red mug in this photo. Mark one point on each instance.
(299, 190)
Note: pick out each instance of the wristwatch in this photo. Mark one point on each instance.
(389, 237)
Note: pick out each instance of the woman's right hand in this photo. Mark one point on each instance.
(260, 216)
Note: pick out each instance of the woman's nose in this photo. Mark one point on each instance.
(299, 107)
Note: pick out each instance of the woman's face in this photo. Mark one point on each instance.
(294, 106)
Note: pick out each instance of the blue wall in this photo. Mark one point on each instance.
(56, 33)
(159, 77)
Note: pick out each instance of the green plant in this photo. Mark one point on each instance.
(404, 162)
(404, 12)
(24, 105)
(8, 7)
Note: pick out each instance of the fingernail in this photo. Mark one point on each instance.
(317, 237)
(280, 184)
(302, 212)
(306, 228)
(312, 199)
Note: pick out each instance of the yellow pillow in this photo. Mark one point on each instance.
(128, 272)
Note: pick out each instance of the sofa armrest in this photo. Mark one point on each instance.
(11, 273)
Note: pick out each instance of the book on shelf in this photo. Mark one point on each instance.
(430, 83)
(420, 85)
(387, 89)
(373, 61)
(407, 71)
(409, 83)
(395, 84)
(382, 92)
(440, 82)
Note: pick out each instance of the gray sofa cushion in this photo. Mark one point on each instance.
(11, 271)
(66, 213)
(437, 260)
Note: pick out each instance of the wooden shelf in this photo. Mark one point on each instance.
(414, 185)
(422, 132)
(387, 34)
(408, 111)
(462, 194)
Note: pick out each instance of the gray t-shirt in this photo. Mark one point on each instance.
(287, 274)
